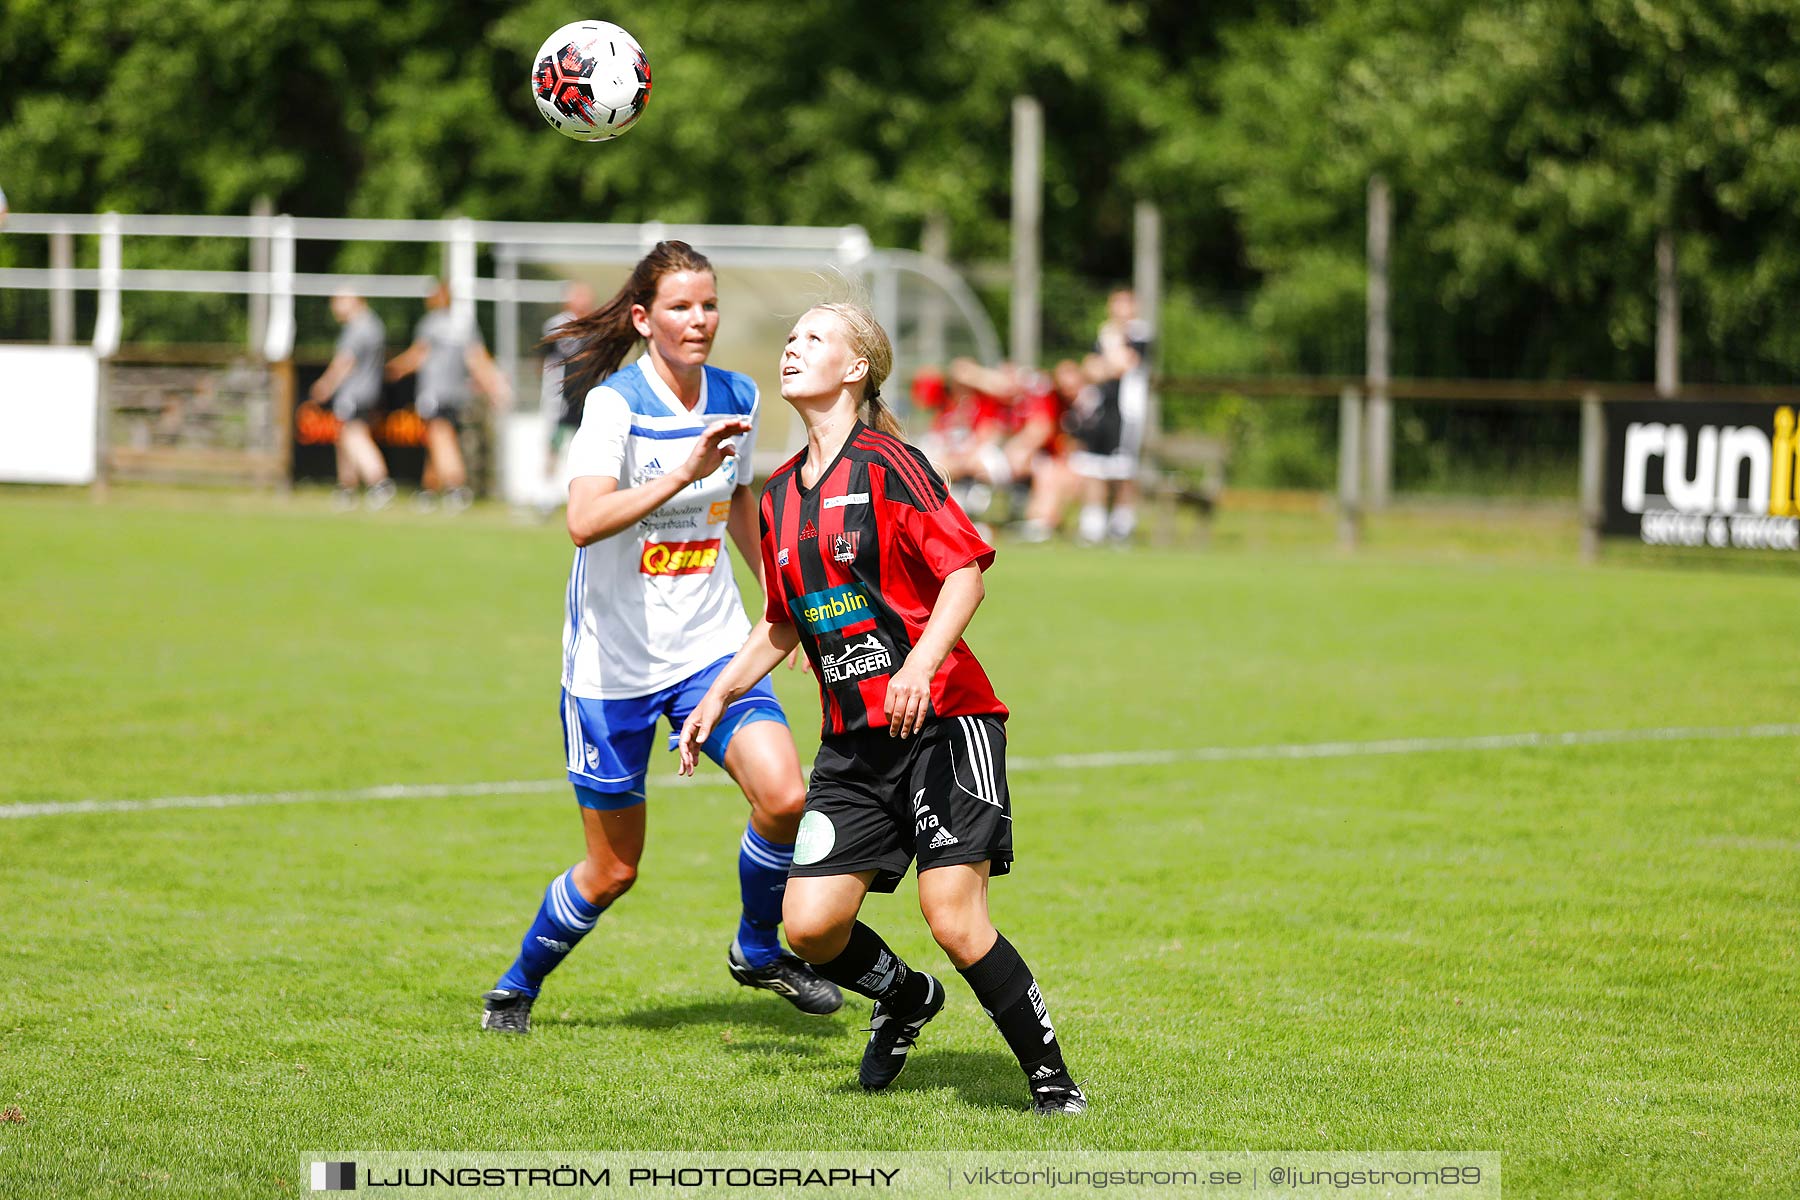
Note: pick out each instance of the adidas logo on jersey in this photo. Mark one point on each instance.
(943, 838)
(808, 532)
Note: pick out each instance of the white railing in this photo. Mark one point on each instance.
(846, 249)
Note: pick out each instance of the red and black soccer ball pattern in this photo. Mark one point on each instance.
(642, 67)
(562, 80)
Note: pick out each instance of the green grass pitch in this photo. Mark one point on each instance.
(1583, 957)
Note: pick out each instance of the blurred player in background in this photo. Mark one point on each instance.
(560, 397)
(1114, 437)
(998, 431)
(967, 441)
(351, 384)
(871, 566)
(1054, 483)
(661, 468)
(448, 356)
(969, 422)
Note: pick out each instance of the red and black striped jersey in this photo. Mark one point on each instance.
(856, 562)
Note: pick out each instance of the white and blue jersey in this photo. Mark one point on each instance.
(652, 605)
(651, 609)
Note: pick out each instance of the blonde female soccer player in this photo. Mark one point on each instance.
(872, 568)
(661, 480)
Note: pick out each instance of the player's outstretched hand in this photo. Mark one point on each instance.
(908, 700)
(696, 729)
(711, 451)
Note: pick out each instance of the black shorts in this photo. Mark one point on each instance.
(877, 802)
(347, 410)
(431, 409)
(1101, 430)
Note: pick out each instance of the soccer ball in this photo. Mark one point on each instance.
(592, 81)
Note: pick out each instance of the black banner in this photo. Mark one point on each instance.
(398, 431)
(1687, 473)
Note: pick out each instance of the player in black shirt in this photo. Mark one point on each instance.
(871, 567)
(1112, 435)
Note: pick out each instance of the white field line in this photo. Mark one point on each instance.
(1496, 741)
(1056, 762)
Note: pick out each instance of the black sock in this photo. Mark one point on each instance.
(867, 966)
(1003, 984)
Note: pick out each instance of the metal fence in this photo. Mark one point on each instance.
(272, 283)
(163, 410)
(1588, 399)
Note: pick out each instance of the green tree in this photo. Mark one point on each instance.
(1536, 148)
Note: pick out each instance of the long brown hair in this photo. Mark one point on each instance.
(870, 342)
(607, 334)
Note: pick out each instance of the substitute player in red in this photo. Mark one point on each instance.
(875, 571)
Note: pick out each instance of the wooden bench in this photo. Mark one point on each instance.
(205, 465)
(1183, 470)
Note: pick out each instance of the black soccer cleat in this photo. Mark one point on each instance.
(1058, 1100)
(891, 1037)
(506, 1011)
(790, 978)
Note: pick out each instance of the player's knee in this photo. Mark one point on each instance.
(964, 933)
(814, 934)
(782, 806)
(613, 879)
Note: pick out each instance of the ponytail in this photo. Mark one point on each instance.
(879, 416)
(607, 334)
(870, 341)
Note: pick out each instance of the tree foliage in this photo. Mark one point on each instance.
(799, 111)
(1535, 147)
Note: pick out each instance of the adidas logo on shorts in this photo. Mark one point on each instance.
(944, 838)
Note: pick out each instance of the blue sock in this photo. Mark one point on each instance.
(562, 920)
(762, 877)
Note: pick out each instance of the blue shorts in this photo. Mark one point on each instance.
(607, 742)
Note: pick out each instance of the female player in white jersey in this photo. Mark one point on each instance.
(661, 474)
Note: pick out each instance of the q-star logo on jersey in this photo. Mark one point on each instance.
(680, 558)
